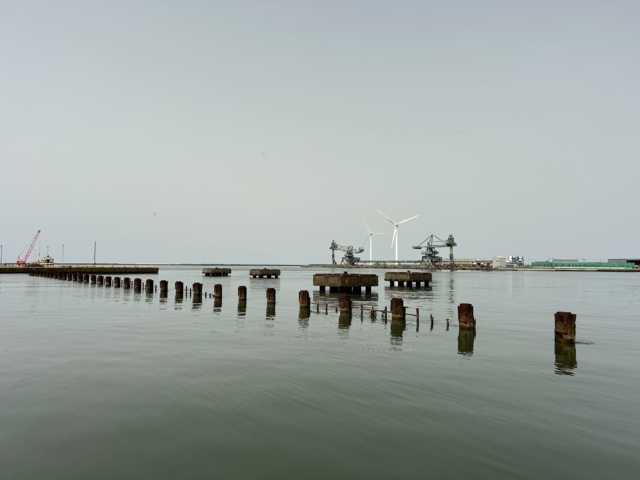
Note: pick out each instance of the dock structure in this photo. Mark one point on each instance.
(345, 282)
(216, 272)
(408, 279)
(264, 272)
(52, 270)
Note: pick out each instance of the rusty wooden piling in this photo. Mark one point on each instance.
(344, 300)
(565, 327)
(100, 279)
(179, 289)
(164, 286)
(242, 293)
(217, 291)
(148, 285)
(271, 296)
(116, 282)
(107, 281)
(126, 282)
(465, 316)
(93, 279)
(137, 284)
(303, 299)
(85, 278)
(397, 309)
(197, 288)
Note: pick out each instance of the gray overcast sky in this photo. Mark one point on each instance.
(259, 131)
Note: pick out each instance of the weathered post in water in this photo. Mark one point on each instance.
(85, 278)
(217, 291)
(242, 293)
(164, 286)
(271, 296)
(344, 300)
(100, 280)
(397, 309)
(137, 284)
(93, 279)
(126, 282)
(148, 285)
(116, 282)
(179, 290)
(303, 299)
(107, 281)
(465, 316)
(197, 288)
(565, 330)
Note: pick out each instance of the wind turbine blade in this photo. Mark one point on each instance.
(378, 233)
(386, 217)
(408, 219)
(365, 224)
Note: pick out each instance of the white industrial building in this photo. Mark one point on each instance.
(499, 262)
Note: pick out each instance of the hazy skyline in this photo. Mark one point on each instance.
(258, 132)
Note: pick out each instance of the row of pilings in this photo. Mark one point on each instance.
(564, 331)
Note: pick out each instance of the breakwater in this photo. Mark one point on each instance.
(88, 269)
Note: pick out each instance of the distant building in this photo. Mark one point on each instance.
(499, 262)
(635, 261)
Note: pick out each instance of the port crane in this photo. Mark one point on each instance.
(348, 258)
(23, 261)
(430, 254)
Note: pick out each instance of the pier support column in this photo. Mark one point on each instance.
(322, 288)
(356, 290)
(397, 309)
(344, 300)
(242, 293)
(100, 280)
(217, 291)
(565, 328)
(465, 316)
(93, 279)
(137, 284)
(107, 281)
(367, 290)
(85, 278)
(116, 282)
(148, 285)
(197, 288)
(164, 286)
(126, 283)
(392, 284)
(179, 289)
(271, 296)
(400, 283)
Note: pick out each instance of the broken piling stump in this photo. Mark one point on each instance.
(126, 283)
(271, 296)
(397, 309)
(565, 327)
(107, 281)
(100, 280)
(164, 286)
(217, 290)
(465, 316)
(303, 299)
(148, 285)
(344, 300)
(242, 293)
(116, 282)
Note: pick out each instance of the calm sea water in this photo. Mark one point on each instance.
(98, 382)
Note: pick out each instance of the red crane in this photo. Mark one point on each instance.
(23, 261)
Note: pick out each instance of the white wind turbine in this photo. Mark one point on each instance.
(395, 230)
(371, 234)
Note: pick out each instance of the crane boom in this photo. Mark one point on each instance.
(23, 261)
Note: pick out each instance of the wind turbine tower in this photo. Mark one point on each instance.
(371, 234)
(395, 230)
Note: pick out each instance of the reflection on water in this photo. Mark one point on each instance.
(305, 312)
(148, 297)
(344, 321)
(242, 308)
(271, 309)
(566, 359)
(466, 337)
(197, 302)
(397, 331)
(179, 299)
(217, 304)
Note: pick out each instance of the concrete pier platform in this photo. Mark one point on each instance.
(408, 279)
(82, 269)
(216, 272)
(345, 282)
(264, 272)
